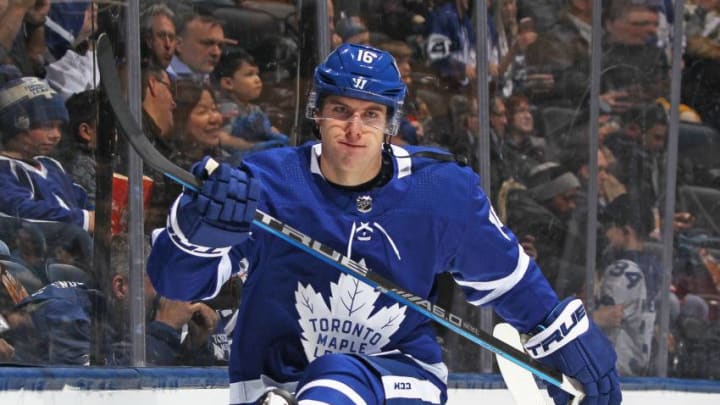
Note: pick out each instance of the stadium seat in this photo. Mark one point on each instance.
(67, 272)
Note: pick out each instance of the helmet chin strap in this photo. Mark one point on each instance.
(386, 145)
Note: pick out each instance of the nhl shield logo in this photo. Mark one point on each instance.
(364, 203)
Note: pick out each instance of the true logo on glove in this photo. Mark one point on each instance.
(567, 327)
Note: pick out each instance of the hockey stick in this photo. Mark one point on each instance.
(129, 128)
(519, 381)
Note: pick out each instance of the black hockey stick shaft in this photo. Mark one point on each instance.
(129, 128)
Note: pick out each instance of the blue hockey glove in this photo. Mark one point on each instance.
(571, 342)
(219, 215)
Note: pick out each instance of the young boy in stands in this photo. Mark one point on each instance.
(629, 285)
(35, 187)
(249, 128)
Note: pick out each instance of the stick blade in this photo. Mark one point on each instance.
(519, 381)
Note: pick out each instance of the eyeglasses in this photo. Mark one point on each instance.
(370, 118)
(165, 36)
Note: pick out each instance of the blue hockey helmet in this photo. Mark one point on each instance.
(362, 72)
(26, 102)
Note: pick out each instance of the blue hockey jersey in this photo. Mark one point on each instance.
(429, 218)
(42, 193)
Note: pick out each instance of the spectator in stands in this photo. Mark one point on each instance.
(564, 52)
(158, 102)
(353, 30)
(629, 285)
(59, 317)
(158, 106)
(464, 140)
(541, 212)
(514, 37)
(158, 34)
(639, 148)
(165, 345)
(76, 150)
(247, 127)
(72, 67)
(499, 170)
(632, 61)
(417, 119)
(198, 124)
(199, 47)
(68, 25)
(609, 187)
(36, 187)
(544, 12)
(701, 76)
(522, 148)
(29, 43)
(451, 42)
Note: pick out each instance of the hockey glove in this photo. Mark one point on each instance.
(220, 214)
(569, 341)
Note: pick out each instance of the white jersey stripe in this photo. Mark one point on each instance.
(337, 386)
(500, 286)
(312, 402)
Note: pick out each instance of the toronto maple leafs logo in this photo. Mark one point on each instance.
(347, 325)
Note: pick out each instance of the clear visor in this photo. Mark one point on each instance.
(370, 118)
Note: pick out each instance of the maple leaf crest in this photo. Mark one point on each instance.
(346, 326)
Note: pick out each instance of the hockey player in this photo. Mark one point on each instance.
(406, 213)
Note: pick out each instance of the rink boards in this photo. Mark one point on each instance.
(208, 386)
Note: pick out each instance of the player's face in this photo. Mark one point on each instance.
(351, 131)
(201, 46)
(204, 122)
(163, 40)
(246, 82)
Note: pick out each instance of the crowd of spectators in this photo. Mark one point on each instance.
(224, 80)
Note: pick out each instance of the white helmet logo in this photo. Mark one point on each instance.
(359, 82)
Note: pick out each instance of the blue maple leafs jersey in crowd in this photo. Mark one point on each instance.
(44, 192)
(430, 217)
